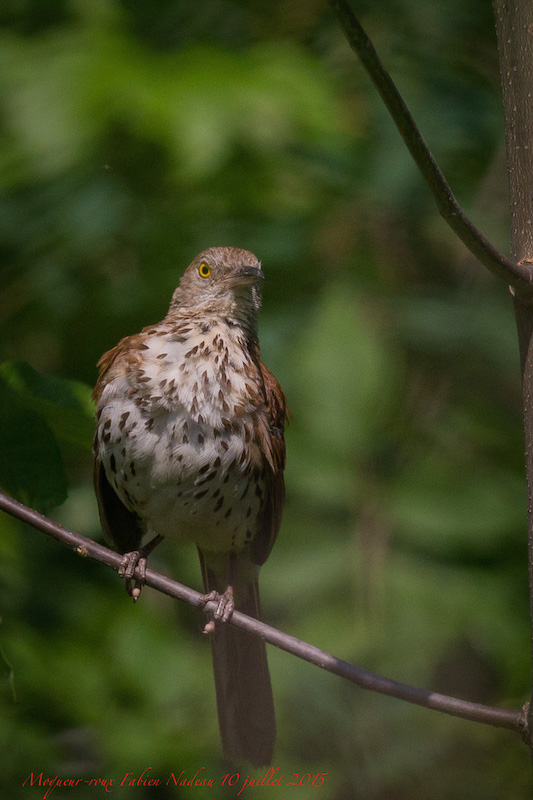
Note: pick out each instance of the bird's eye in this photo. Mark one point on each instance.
(203, 270)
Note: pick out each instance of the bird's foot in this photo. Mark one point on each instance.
(133, 567)
(133, 562)
(224, 610)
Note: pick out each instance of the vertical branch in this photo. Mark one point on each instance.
(514, 26)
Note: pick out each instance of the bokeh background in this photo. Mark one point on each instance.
(134, 134)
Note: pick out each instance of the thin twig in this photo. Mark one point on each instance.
(499, 717)
(520, 276)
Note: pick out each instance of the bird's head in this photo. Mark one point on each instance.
(221, 280)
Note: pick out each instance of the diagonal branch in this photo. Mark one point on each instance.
(518, 275)
(476, 712)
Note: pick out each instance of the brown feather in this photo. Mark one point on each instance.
(121, 526)
(116, 360)
(245, 704)
(272, 444)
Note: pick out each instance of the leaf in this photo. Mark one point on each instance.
(38, 411)
(31, 467)
(65, 405)
(9, 671)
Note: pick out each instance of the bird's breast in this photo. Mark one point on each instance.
(176, 437)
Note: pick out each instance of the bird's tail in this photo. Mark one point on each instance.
(242, 680)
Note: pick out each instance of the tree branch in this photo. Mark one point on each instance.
(498, 717)
(514, 27)
(519, 275)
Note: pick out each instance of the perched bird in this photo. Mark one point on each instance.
(190, 446)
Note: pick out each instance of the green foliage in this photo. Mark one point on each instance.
(133, 135)
(38, 413)
(343, 347)
(64, 404)
(198, 104)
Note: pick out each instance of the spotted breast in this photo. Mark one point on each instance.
(176, 421)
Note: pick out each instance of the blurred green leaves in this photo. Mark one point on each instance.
(65, 404)
(347, 375)
(471, 518)
(37, 413)
(199, 104)
(342, 390)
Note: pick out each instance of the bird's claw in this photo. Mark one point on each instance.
(209, 627)
(135, 562)
(224, 610)
(131, 563)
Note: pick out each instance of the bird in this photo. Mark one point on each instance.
(189, 448)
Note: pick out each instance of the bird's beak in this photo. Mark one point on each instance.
(246, 275)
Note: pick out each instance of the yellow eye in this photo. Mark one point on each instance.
(204, 270)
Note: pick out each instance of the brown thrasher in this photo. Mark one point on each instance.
(189, 445)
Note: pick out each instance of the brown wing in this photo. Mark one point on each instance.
(119, 359)
(121, 526)
(272, 443)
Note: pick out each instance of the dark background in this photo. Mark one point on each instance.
(135, 134)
